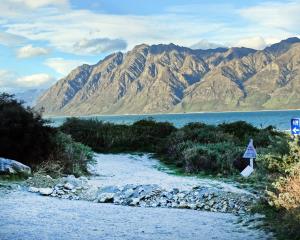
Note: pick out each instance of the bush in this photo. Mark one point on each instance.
(144, 135)
(285, 199)
(25, 137)
(23, 133)
(286, 155)
(68, 157)
(240, 129)
(286, 193)
(216, 157)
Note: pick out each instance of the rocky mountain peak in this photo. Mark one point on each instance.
(281, 47)
(171, 78)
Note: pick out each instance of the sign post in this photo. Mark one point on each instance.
(295, 126)
(249, 153)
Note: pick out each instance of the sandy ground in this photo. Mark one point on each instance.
(121, 169)
(30, 216)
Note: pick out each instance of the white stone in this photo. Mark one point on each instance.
(69, 186)
(11, 167)
(33, 190)
(45, 191)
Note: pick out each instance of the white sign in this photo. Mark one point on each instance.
(247, 171)
(250, 151)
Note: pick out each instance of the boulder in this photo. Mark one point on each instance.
(46, 191)
(8, 166)
(69, 186)
(33, 190)
(106, 198)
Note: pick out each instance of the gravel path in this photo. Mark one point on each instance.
(121, 169)
(29, 216)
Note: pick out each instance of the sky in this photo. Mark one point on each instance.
(41, 41)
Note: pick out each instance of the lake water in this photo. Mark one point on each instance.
(279, 119)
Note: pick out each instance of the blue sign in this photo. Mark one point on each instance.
(295, 126)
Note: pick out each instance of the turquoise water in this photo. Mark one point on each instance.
(279, 119)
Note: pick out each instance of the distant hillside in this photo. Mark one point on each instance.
(169, 78)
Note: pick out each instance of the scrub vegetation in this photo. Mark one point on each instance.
(27, 138)
(198, 148)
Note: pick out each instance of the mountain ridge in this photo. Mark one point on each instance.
(169, 78)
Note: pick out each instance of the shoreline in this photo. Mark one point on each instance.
(157, 114)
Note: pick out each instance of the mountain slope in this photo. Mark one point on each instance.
(169, 78)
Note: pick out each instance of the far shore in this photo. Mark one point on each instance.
(168, 113)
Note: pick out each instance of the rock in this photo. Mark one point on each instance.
(33, 190)
(174, 205)
(181, 195)
(211, 203)
(109, 189)
(91, 169)
(175, 191)
(134, 202)
(183, 205)
(162, 202)
(69, 186)
(192, 206)
(128, 193)
(45, 191)
(8, 166)
(76, 182)
(106, 198)
(231, 203)
(200, 205)
(60, 192)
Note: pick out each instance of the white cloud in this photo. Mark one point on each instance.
(35, 80)
(67, 37)
(82, 32)
(10, 80)
(251, 42)
(42, 3)
(29, 51)
(62, 66)
(284, 15)
(9, 39)
(204, 44)
(99, 45)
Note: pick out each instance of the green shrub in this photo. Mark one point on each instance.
(26, 137)
(240, 129)
(286, 155)
(144, 135)
(215, 157)
(68, 157)
(23, 133)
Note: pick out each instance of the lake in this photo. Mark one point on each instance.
(279, 119)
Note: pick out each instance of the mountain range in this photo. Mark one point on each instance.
(170, 79)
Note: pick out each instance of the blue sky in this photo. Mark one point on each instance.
(42, 40)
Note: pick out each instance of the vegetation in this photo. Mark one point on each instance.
(23, 133)
(284, 195)
(26, 137)
(144, 135)
(198, 148)
(194, 148)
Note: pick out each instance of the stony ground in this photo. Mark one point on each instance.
(25, 215)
